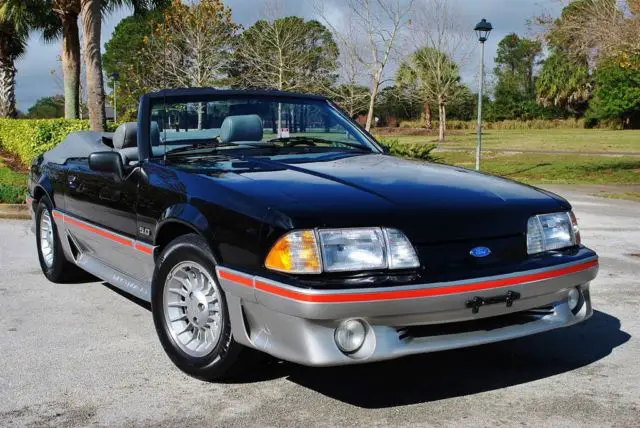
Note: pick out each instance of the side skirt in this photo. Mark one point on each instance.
(114, 277)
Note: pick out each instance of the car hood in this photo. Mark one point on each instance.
(430, 202)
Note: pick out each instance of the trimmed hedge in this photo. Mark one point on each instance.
(505, 124)
(29, 138)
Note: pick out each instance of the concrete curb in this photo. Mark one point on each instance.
(14, 212)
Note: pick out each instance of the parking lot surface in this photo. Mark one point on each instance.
(82, 354)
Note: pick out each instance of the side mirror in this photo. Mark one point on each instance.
(385, 149)
(107, 162)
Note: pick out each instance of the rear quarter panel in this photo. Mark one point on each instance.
(47, 179)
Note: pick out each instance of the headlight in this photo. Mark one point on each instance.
(342, 250)
(548, 232)
(352, 249)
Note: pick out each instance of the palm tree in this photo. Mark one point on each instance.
(62, 21)
(433, 77)
(92, 11)
(92, 25)
(16, 20)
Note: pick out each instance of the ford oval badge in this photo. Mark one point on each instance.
(480, 252)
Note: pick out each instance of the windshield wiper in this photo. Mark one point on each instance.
(213, 144)
(314, 141)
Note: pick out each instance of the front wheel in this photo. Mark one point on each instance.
(190, 311)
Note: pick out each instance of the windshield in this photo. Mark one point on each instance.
(248, 124)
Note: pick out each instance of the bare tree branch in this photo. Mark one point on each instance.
(369, 35)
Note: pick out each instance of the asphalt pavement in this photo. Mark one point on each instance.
(84, 355)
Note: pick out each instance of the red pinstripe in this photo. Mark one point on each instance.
(406, 294)
(139, 246)
(143, 248)
(242, 280)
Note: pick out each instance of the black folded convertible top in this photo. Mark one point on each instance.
(78, 145)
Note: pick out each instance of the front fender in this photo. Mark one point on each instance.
(234, 239)
(186, 215)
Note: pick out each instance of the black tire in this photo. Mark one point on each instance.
(61, 270)
(227, 358)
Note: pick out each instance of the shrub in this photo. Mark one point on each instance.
(30, 138)
(12, 193)
(410, 150)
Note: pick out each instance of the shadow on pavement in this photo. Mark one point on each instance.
(128, 296)
(448, 374)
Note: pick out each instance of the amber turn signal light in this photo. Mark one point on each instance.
(295, 252)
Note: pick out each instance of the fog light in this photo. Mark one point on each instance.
(350, 335)
(573, 299)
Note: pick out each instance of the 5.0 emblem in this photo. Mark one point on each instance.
(144, 231)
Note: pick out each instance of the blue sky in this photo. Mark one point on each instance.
(34, 78)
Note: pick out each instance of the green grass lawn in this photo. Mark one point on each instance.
(629, 196)
(13, 185)
(599, 140)
(552, 169)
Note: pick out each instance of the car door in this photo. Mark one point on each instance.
(101, 216)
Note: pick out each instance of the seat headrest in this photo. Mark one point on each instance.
(241, 128)
(126, 136)
(155, 134)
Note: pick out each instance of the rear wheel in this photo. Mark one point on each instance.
(50, 254)
(190, 312)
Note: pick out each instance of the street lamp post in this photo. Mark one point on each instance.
(482, 30)
(115, 76)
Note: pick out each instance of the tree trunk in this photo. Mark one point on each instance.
(71, 65)
(200, 115)
(442, 118)
(530, 81)
(7, 88)
(279, 134)
(428, 116)
(92, 23)
(372, 101)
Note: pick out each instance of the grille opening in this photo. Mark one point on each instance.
(483, 324)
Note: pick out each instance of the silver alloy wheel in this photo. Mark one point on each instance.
(46, 238)
(192, 309)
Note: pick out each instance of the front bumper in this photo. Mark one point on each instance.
(298, 324)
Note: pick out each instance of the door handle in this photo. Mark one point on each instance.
(72, 180)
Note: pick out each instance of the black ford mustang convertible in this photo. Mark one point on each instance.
(268, 221)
